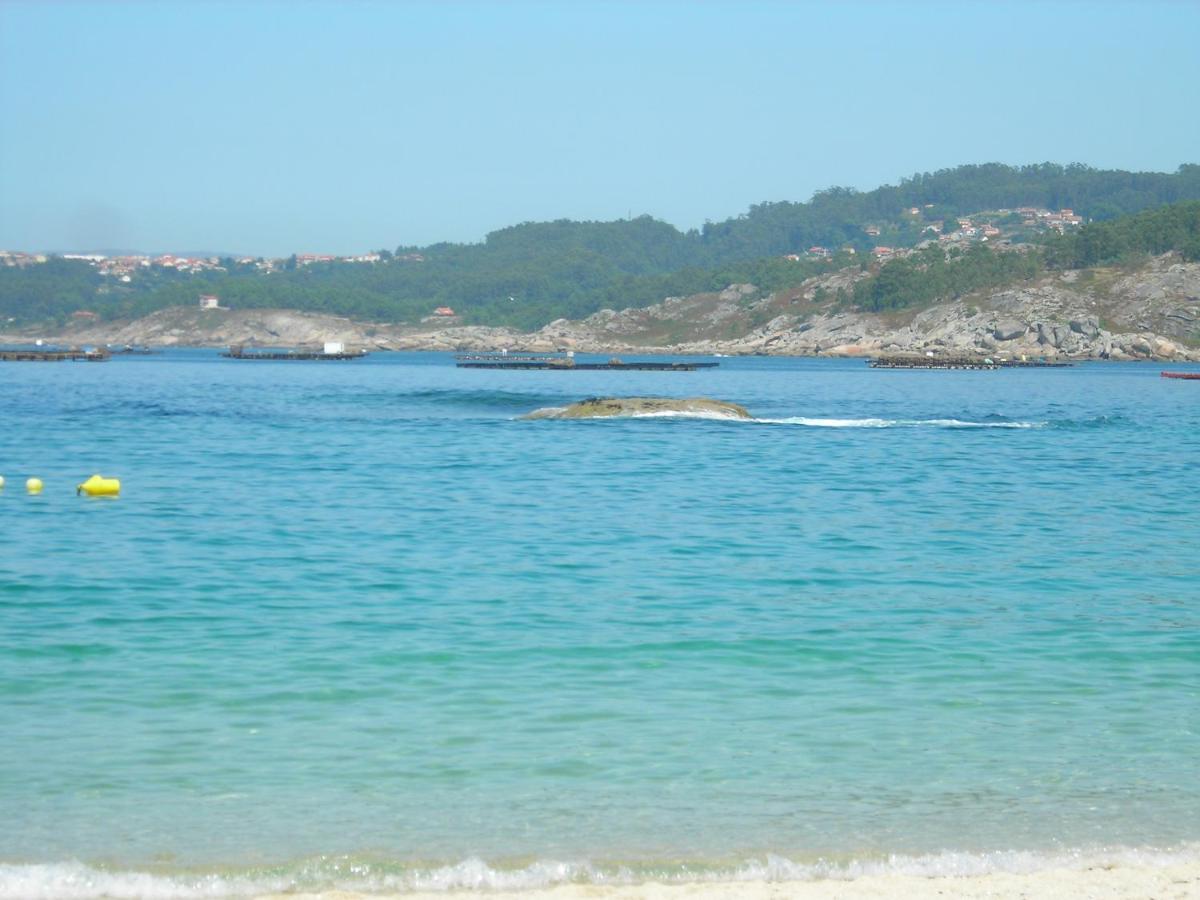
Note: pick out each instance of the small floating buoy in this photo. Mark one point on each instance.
(99, 486)
(1, 481)
(34, 485)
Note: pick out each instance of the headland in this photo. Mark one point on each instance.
(1152, 313)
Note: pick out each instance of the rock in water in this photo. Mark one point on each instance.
(607, 407)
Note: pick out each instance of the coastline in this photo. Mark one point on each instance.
(1114, 874)
(1148, 316)
(1175, 882)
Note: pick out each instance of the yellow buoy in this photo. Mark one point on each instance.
(34, 485)
(99, 486)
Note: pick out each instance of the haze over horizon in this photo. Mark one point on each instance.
(269, 128)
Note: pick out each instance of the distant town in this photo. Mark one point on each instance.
(978, 227)
(123, 267)
(967, 229)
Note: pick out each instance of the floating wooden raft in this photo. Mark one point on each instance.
(932, 362)
(242, 353)
(568, 363)
(961, 362)
(53, 355)
(1189, 376)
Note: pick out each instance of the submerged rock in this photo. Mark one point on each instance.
(607, 407)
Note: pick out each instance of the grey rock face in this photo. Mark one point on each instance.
(736, 292)
(1141, 345)
(1008, 330)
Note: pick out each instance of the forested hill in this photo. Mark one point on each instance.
(836, 217)
(529, 274)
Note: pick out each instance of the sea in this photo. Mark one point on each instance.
(359, 626)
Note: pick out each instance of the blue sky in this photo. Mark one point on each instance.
(271, 128)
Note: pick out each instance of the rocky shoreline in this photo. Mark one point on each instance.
(1152, 313)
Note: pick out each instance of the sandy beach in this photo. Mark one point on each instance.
(1179, 882)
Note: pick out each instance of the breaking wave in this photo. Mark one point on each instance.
(77, 881)
(711, 414)
(897, 423)
(813, 422)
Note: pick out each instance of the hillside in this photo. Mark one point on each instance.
(1151, 311)
(533, 273)
(1097, 313)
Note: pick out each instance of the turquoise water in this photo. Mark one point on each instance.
(356, 625)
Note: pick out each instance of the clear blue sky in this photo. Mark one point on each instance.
(271, 128)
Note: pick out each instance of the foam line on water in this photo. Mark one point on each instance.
(711, 414)
(76, 881)
(895, 423)
(815, 422)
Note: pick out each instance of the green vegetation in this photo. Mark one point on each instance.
(1175, 227)
(931, 274)
(571, 269)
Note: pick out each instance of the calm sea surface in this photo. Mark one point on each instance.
(355, 624)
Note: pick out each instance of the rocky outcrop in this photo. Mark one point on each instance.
(1058, 316)
(608, 407)
(1153, 313)
(1009, 330)
(188, 327)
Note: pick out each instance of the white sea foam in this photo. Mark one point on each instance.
(76, 881)
(712, 414)
(895, 423)
(807, 421)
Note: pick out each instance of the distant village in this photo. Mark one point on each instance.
(977, 228)
(123, 267)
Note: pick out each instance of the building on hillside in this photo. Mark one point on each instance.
(820, 252)
(872, 230)
(209, 301)
(85, 315)
(444, 312)
(882, 252)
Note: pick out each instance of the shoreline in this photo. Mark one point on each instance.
(1119, 873)
(1177, 882)
(1045, 320)
(155, 349)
